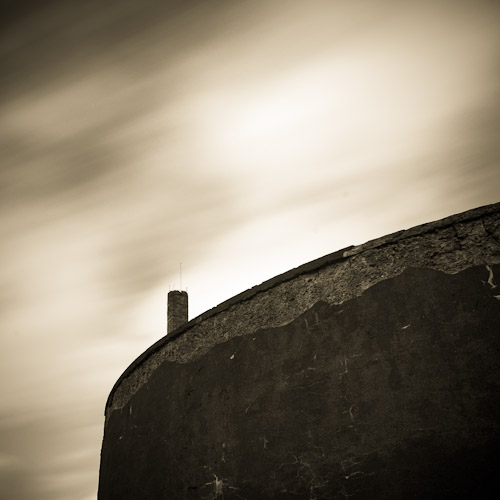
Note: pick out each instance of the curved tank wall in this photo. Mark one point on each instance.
(370, 373)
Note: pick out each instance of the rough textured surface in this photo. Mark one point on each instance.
(450, 245)
(385, 391)
(177, 310)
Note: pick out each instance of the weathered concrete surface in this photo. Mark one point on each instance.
(451, 245)
(177, 312)
(393, 393)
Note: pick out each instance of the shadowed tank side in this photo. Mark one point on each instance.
(393, 393)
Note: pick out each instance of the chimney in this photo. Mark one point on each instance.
(177, 312)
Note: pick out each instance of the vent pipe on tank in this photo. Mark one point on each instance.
(177, 312)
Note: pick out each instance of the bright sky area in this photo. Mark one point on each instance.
(241, 138)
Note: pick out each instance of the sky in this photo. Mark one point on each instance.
(240, 138)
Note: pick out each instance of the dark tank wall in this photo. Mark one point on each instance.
(392, 393)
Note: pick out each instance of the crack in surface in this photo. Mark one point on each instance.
(490, 233)
(491, 277)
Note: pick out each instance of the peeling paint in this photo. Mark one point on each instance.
(343, 363)
(218, 485)
(334, 279)
(352, 409)
(491, 278)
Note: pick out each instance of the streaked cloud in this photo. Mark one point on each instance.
(240, 138)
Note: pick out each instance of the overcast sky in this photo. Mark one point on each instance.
(239, 137)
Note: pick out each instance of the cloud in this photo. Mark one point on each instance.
(42, 467)
(8, 461)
